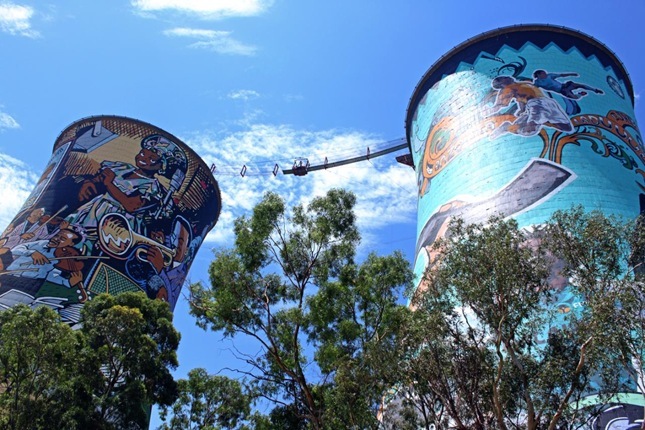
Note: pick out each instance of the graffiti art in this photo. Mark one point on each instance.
(121, 206)
(521, 122)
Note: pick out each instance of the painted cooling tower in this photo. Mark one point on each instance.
(121, 206)
(524, 121)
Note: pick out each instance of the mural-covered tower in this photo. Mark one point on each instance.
(524, 121)
(121, 206)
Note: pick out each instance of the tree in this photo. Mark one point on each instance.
(208, 402)
(105, 375)
(291, 284)
(446, 373)
(485, 348)
(133, 341)
(355, 323)
(40, 362)
(604, 258)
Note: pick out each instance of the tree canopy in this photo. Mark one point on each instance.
(517, 327)
(208, 402)
(133, 341)
(534, 328)
(324, 323)
(40, 359)
(106, 375)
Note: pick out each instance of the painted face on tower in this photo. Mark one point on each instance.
(147, 159)
(183, 239)
(35, 215)
(62, 238)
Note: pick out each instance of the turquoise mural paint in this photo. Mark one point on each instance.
(523, 121)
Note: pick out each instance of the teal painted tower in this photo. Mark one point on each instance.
(524, 121)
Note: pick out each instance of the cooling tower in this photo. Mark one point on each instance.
(121, 206)
(524, 121)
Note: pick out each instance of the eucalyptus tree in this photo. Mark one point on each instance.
(45, 378)
(490, 348)
(133, 341)
(208, 402)
(324, 325)
(105, 375)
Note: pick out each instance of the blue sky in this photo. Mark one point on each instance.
(257, 82)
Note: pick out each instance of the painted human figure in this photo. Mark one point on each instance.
(53, 224)
(30, 229)
(534, 109)
(159, 280)
(174, 275)
(37, 259)
(131, 190)
(550, 82)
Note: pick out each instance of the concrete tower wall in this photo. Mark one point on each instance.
(121, 206)
(524, 121)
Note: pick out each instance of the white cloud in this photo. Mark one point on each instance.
(7, 121)
(225, 45)
(15, 20)
(205, 9)
(386, 191)
(290, 98)
(196, 33)
(216, 41)
(243, 95)
(16, 182)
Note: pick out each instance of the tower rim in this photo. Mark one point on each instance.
(497, 38)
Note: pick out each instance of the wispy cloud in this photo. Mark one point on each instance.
(290, 98)
(7, 121)
(386, 191)
(243, 95)
(212, 40)
(16, 182)
(195, 33)
(16, 20)
(205, 9)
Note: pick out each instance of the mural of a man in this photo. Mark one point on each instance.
(30, 229)
(534, 109)
(549, 82)
(173, 276)
(153, 275)
(37, 259)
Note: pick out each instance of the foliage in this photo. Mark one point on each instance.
(604, 258)
(487, 349)
(208, 402)
(39, 363)
(105, 375)
(325, 325)
(134, 342)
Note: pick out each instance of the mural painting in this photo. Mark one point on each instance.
(525, 121)
(121, 206)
